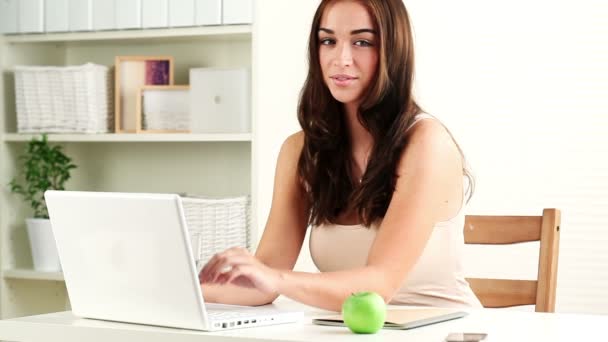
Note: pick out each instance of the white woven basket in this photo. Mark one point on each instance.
(64, 99)
(217, 224)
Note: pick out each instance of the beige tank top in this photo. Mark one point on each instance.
(436, 279)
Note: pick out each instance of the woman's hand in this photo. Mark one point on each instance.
(237, 266)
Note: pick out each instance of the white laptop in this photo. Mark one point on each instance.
(127, 257)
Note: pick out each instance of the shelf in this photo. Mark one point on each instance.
(224, 31)
(126, 137)
(32, 275)
(210, 164)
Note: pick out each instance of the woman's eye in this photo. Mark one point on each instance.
(363, 43)
(327, 41)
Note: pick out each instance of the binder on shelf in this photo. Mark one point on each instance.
(127, 14)
(208, 12)
(9, 12)
(237, 12)
(155, 13)
(56, 16)
(80, 15)
(31, 16)
(181, 13)
(103, 15)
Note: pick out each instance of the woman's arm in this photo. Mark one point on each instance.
(285, 229)
(428, 190)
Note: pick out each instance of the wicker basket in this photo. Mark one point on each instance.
(217, 224)
(64, 99)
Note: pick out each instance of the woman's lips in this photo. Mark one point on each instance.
(343, 80)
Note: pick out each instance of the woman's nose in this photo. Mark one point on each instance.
(344, 56)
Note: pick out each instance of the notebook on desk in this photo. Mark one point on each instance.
(403, 318)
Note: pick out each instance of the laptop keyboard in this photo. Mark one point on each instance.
(232, 314)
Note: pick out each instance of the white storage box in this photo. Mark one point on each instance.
(220, 100)
(237, 12)
(217, 224)
(63, 99)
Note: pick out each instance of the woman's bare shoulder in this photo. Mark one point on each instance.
(431, 145)
(431, 133)
(292, 146)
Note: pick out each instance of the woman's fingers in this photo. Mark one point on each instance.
(219, 258)
(227, 264)
(236, 271)
(241, 275)
(242, 270)
(209, 265)
(223, 265)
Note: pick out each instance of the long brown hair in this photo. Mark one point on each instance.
(386, 110)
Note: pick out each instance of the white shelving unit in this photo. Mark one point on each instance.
(25, 274)
(145, 137)
(205, 32)
(208, 164)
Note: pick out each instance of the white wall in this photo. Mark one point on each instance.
(280, 61)
(523, 85)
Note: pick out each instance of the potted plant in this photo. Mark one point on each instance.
(45, 167)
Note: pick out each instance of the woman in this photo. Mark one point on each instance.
(380, 184)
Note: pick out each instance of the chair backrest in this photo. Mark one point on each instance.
(500, 230)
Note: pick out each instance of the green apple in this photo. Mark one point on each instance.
(364, 312)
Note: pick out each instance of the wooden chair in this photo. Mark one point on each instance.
(499, 230)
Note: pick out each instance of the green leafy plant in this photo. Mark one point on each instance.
(45, 167)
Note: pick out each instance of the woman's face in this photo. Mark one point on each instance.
(348, 51)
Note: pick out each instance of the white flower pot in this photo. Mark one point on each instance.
(42, 243)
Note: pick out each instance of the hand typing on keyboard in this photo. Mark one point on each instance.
(239, 267)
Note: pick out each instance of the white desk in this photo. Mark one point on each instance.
(501, 325)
